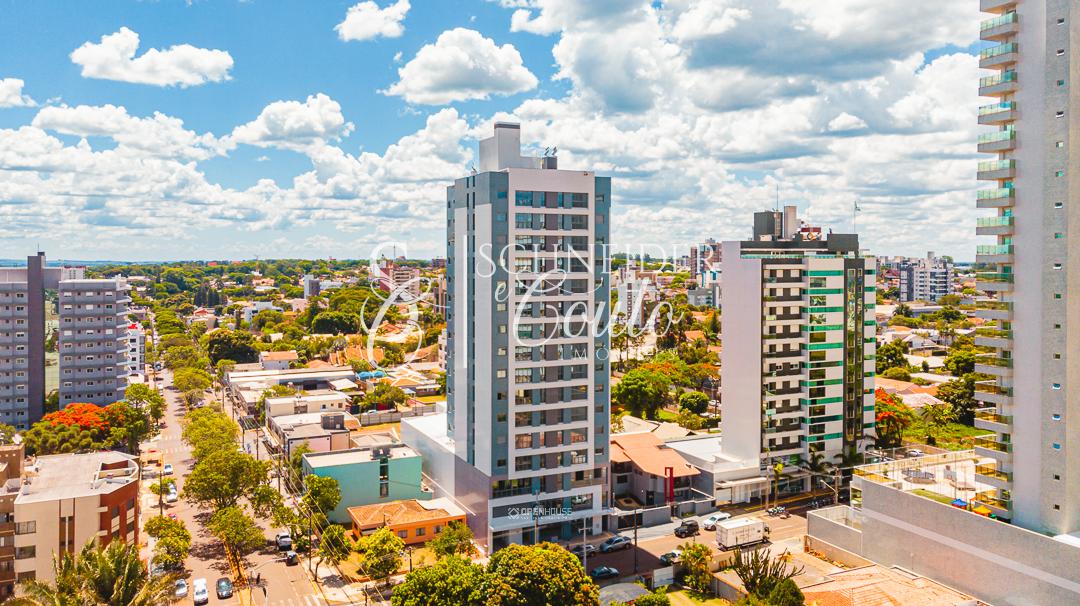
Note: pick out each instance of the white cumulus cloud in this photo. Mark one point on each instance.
(11, 94)
(181, 65)
(365, 21)
(462, 64)
(845, 122)
(295, 125)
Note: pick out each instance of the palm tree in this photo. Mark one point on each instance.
(101, 576)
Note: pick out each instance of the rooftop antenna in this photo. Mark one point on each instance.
(554, 150)
(776, 205)
(472, 169)
(855, 210)
(547, 151)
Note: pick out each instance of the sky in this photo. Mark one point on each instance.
(226, 129)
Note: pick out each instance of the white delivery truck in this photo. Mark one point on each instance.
(740, 532)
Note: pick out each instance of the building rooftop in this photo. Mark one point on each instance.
(352, 456)
(878, 586)
(279, 356)
(647, 452)
(71, 476)
(404, 512)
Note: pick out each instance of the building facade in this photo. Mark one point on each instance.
(370, 475)
(527, 392)
(926, 279)
(93, 341)
(1034, 400)
(135, 343)
(798, 361)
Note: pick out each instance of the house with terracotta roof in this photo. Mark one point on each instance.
(644, 468)
(277, 360)
(414, 521)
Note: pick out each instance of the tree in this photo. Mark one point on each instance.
(642, 392)
(162, 486)
(960, 362)
(208, 431)
(786, 593)
(904, 311)
(890, 355)
(334, 546)
(235, 345)
(760, 573)
(143, 397)
(385, 397)
(892, 418)
(296, 459)
(694, 401)
(960, 394)
(129, 425)
(538, 575)
(183, 356)
(897, 373)
(335, 323)
(937, 416)
(455, 538)
(235, 529)
(695, 559)
(382, 554)
(221, 478)
(323, 494)
(105, 576)
(452, 580)
(187, 380)
(656, 598)
(690, 420)
(173, 541)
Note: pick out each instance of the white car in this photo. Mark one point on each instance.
(172, 497)
(200, 595)
(167, 470)
(710, 522)
(181, 588)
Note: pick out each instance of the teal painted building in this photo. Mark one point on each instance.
(375, 474)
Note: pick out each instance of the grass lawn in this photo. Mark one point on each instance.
(940, 498)
(690, 598)
(666, 415)
(954, 436)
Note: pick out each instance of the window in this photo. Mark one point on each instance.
(25, 527)
(500, 374)
(1061, 83)
(1061, 21)
(1057, 507)
(1055, 416)
(1057, 477)
(22, 553)
(1060, 52)
(403, 534)
(420, 531)
(1059, 144)
(1057, 295)
(1056, 386)
(1058, 205)
(1056, 446)
(1059, 173)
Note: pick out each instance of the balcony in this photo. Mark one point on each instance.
(782, 335)
(996, 6)
(998, 197)
(999, 504)
(995, 310)
(791, 353)
(992, 337)
(990, 420)
(994, 365)
(1001, 225)
(996, 141)
(993, 393)
(999, 28)
(997, 56)
(994, 282)
(998, 85)
(990, 442)
(998, 113)
(784, 317)
(994, 170)
(994, 254)
(783, 279)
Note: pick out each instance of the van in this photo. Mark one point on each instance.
(200, 595)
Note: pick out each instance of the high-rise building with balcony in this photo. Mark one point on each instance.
(1034, 398)
(926, 279)
(93, 340)
(527, 371)
(798, 361)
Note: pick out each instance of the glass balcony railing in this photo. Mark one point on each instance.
(990, 442)
(993, 417)
(997, 135)
(1005, 19)
(994, 333)
(991, 165)
(999, 221)
(994, 361)
(993, 388)
(994, 277)
(994, 80)
(994, 108)
(991, 471)
(996, 305)
(994, 249)
(1001, 49)
(992, 499)
(997, 192)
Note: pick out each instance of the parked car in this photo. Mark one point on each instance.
(688, 528)
(615, 544)
(915, 452)
(181, 588)
(604, 572)
(284, 541)
(172, 497)
(200, 595)
(710, 522)
(224, 588)
(671, 557)
(580, 549)
(167, 470)
(291, 559)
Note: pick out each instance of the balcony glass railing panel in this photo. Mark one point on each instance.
(1005, 19)
(1001, 49)
(997, 135)
(999, 221)
(992, 165)
(994, 108)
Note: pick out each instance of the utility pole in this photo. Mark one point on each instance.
(311, 542)
(637, 512)
(160, 497)
(584, 553)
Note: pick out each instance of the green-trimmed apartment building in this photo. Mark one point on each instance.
(798, 359)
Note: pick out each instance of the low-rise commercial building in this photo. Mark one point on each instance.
(374, 474)
(643, 468)
(320, 400)
(415, 522)
(321, 431)
(726, 477)
(278, 360)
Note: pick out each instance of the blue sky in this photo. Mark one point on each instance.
(270, 133)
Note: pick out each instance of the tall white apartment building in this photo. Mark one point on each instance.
(93, 340)
(797, 367)
(527, 370)
(135, 342)
(1034, 187)
(926, 279)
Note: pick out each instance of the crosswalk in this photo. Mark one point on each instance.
(307, 600)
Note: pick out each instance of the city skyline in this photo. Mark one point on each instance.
(334, 129)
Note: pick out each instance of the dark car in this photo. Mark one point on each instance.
(291, 559)
(688, 528)
(224, 588)
(604, 572)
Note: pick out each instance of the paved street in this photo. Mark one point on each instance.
(284, 585)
